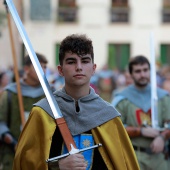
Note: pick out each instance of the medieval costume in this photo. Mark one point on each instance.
(94, 120)
(10, 121)
(135, 108)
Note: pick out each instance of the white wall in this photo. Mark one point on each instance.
(93, 20)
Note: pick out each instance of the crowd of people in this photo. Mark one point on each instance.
(105, 106)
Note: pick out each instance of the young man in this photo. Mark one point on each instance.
(90, 120)
(134, 104)
(10, 121)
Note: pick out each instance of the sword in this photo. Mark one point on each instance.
(154, 97)
(67, 137)
(57, 158)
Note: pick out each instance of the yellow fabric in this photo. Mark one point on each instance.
(35, 141)
(117, 151)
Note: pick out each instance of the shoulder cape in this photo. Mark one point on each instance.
(140, 98)
(94, 111)
(27, 91)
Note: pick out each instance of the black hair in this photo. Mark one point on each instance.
(41, 58)
(140, 59)
(78, 44)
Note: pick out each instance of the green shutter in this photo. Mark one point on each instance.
(125, 54)
(57, 54)
(118, 56)
(163, 54)
(112, 56)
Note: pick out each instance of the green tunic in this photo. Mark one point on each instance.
(133, 115)
(6, 153)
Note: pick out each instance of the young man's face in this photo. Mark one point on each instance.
(77, 70)
(141, 74)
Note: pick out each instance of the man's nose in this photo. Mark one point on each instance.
(78, 65)
(143, 73)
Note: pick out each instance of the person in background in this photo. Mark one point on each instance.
(106, 83)
(4, 80)
(123, 80)
(90, 120)
(134, 104)
(10, 121)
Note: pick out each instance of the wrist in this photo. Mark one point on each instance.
(141, 131)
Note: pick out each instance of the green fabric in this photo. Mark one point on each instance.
(129, 118)
(151, 162)
(6, 154)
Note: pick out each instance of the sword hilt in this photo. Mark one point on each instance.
(55, 159)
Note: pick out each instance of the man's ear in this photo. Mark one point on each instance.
(60, 70)
(94, 68)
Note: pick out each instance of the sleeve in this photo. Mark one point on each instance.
(116, 151)
(35, 141)
(165, 109)
(3, 114)
(120, 107)
(165, 112)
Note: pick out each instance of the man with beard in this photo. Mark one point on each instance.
(134, 104)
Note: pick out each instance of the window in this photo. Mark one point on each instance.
(118, 56)
(119, 11)
(119, 2)
(67, 11)
(40, 9)
(165, 53)
(166, 11)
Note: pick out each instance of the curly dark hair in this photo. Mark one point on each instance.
(78, 44)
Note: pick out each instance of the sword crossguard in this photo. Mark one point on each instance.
(73, 151)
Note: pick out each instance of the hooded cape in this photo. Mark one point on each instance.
(138, 97)
(93, 111)
(26, 90)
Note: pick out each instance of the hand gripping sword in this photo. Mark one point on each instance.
(60, 121)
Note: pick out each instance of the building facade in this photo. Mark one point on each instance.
(120, 29)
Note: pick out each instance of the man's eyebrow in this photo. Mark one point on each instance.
(85, 57)
(82, 58)
(70, 58)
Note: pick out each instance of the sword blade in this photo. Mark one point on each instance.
(154, 98)
(42, 78)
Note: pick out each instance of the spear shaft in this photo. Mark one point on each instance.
(19, 93)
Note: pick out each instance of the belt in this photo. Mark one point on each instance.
(141, 149)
